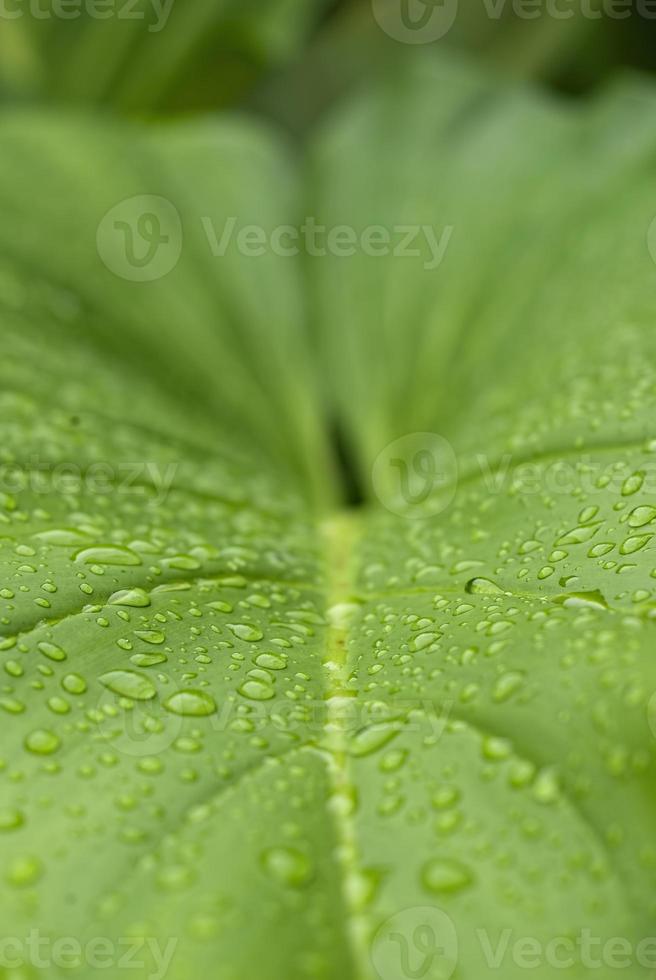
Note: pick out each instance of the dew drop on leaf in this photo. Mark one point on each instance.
(24, 871)
(482, 586)
(194, 704)
(243, 631)
(74, 684)
(128, 684)
(130, 597)
(257, 690)
(288, 866)
(52, 651)
(108, 555)
(632, 484)
(10, 820)
(507, 685)
(445, 875)
(42, 742)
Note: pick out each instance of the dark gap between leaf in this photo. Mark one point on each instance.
(351, 486)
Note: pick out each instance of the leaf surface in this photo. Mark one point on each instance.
(273, 733)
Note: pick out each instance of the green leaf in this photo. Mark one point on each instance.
(220, 336)
(254, 733)
(137, 55)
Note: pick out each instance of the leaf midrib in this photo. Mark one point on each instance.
(340, 535)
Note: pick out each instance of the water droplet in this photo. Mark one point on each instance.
(224, 607)
(243, 631)
(156, 637)
(74, 684)
(445, 797)
(24, 871)
(108, 555)
(175, 878)
(600, 549)
(257, 690)
(148, 659)
(341, 615)
(10, 820)
(374, 737)
(12, 705)
(422, 641)
(271, 661)
(52, 651)
(151, 765)
(496, 749)
(182, 563)
(445, 875)
(63, 538)
(130, 597)
(632, 484)
(129, 684)
(640, 516)
(507, 685)
(393, 760)
(482, 586)
(287, 866)
(546, 788)
(578, 600)
(578, 535)
(195, 704)
(59, 706)
(635, 543)
(42, 742)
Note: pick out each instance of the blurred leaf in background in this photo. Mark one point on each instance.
(147, 55)
(287, 58)
(571, 54)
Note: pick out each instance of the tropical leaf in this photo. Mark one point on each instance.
(138, 55)
(247, 732)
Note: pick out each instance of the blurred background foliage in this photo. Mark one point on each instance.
(288, 59)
